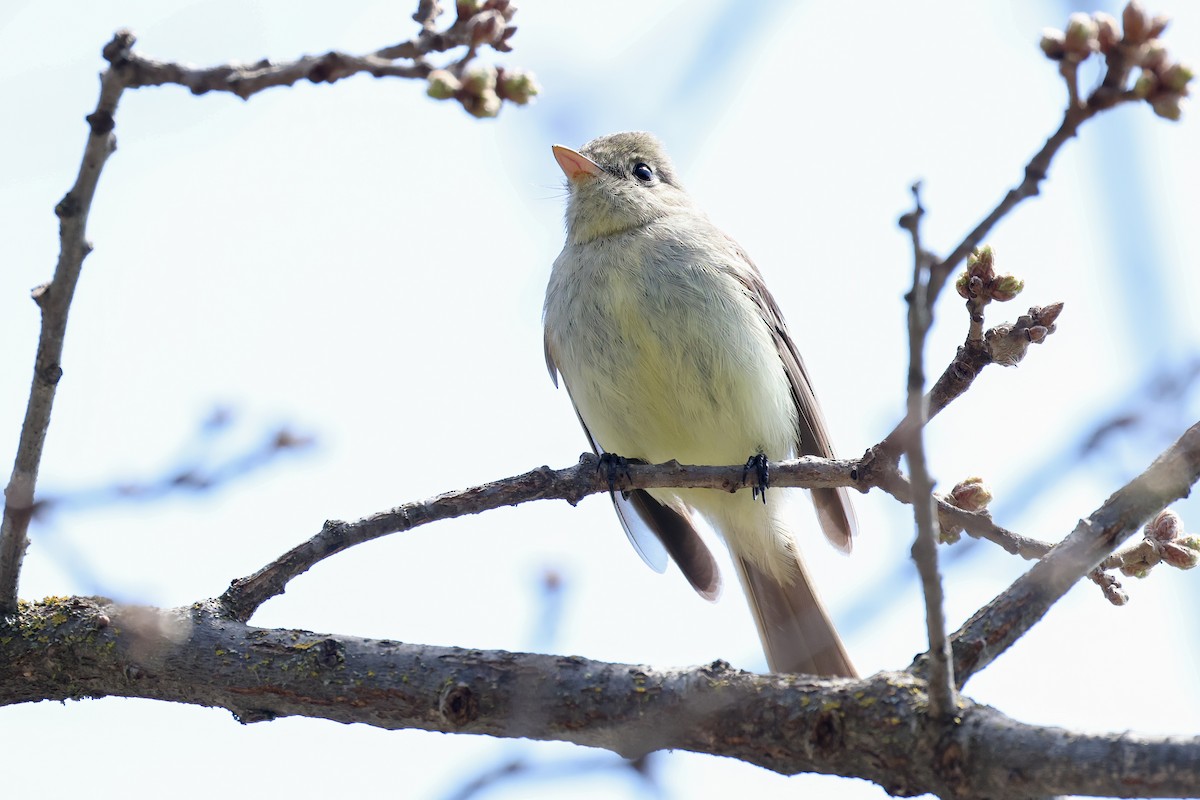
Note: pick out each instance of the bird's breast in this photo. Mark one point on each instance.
(665, 355)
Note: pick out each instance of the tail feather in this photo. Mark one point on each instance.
(796, 632)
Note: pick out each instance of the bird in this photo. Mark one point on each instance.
(670, 347)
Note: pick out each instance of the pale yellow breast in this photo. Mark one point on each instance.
(663, 353)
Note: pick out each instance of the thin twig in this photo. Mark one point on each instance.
(1111, 92)
(130, 70)
(1004, 344)
(482, 97)
(942, 699)
(54, 299)
(976, 524)
(572, 484)
(1035, 172)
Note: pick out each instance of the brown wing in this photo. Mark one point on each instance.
(672, 529)
(834, 511)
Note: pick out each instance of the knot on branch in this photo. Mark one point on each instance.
(458, 705)
(117, 51)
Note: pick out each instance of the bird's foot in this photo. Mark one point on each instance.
(761, 467)
(614, 468)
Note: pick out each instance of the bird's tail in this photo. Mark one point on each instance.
(796, 632)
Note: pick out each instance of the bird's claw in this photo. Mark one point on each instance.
(614, 467)
(762, 476)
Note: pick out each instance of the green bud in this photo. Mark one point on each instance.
(442, 85)
(949, 536)
(483, 105)
(1082, 36)
(1006, 287)
(519, 86)
(962, 285)
(468, 8)
(479, 80)
(1176, 77)
(1145, 85)
(983, 256)
(1138, 571)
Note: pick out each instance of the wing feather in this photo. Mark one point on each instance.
(834, 511)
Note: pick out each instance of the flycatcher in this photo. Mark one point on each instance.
(671, 347)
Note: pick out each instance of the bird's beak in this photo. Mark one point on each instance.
(575, 166)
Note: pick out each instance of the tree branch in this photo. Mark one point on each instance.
(480, 93)
(480, 90)
(942, 700)
(70, 648)
(54, 299)
(994, 628)
(245, 595)
(1163, 84)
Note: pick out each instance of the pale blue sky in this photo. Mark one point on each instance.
(369, 265)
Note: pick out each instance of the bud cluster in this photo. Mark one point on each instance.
(1132, 42)
(482, 90)
(1007, 343)
(979, 282)
(1163, 542)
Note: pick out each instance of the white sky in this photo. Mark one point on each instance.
(368, 265)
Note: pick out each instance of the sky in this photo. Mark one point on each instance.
(366, 265)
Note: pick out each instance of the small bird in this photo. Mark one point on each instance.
(671, 347)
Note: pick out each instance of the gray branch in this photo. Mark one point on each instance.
(877, 729)
(54, 299)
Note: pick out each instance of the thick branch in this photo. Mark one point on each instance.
(876, 729)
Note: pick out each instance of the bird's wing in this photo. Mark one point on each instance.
(834, 511)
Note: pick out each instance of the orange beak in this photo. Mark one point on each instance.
(574, 165)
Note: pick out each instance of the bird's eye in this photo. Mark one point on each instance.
(643, 173)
